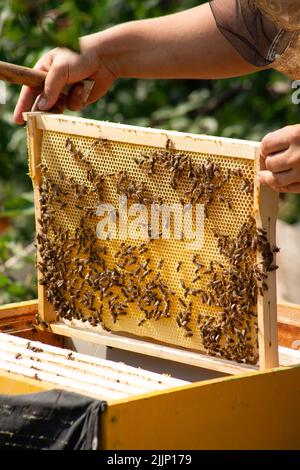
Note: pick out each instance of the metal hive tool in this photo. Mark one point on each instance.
(219, 299)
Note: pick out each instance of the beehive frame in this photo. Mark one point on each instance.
(48, 134)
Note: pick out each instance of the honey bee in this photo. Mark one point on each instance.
(178, 266)
(160, 264)
(189, 334)
(169, 144)
(70, 356)
(100, 141)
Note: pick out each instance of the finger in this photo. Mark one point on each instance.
(59, 106)
(76, 98)
(292, 188)
(267, 178)
(287, 178)
(262, 160)
(28, 95)
(277, 141)
(25, 102)
(279, 162)
(56, 79)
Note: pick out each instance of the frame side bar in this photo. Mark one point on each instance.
(266, 210)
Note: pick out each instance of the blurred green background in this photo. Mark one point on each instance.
(245, 108)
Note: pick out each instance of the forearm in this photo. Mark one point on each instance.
(183, 45)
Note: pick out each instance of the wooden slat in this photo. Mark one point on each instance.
(143, 135)
(19, 323)
(153, 349)
(289, 335)
(98, 378)
(19, 308)
(266, 210)
(18, 319)
(35, 136)
(287, 356)
(289, 313)
(289, 325)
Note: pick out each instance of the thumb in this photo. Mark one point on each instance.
(266, 178)
(56, 79)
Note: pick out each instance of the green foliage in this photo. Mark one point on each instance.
(17, 276)
(26, 24)
(247, 107)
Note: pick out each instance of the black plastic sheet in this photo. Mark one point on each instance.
(52, 420)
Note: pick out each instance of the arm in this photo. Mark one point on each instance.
(183, 45)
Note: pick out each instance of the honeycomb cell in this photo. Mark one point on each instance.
(109, 158)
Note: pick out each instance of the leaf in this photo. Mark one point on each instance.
(16, 290)
(4, 281)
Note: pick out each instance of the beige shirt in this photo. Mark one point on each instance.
(264, 32)
(286, 15)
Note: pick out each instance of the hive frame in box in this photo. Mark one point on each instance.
(265, 209)
(264, 401)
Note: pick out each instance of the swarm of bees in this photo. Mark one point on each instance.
(205, 182)
(81, 284)
(233, 288)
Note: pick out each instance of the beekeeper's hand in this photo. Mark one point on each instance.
(64, 66)
(280, 160)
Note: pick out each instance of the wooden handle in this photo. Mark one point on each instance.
(26, 76)
(21, 75)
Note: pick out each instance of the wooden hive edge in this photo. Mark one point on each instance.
(142, 135)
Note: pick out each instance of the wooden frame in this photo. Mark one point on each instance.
(265, 209)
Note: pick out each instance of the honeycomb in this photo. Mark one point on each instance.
(67, 161)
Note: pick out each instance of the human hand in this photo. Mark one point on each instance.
(64, 66)
(280, 160)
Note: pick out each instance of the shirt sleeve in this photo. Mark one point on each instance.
(255, 36)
